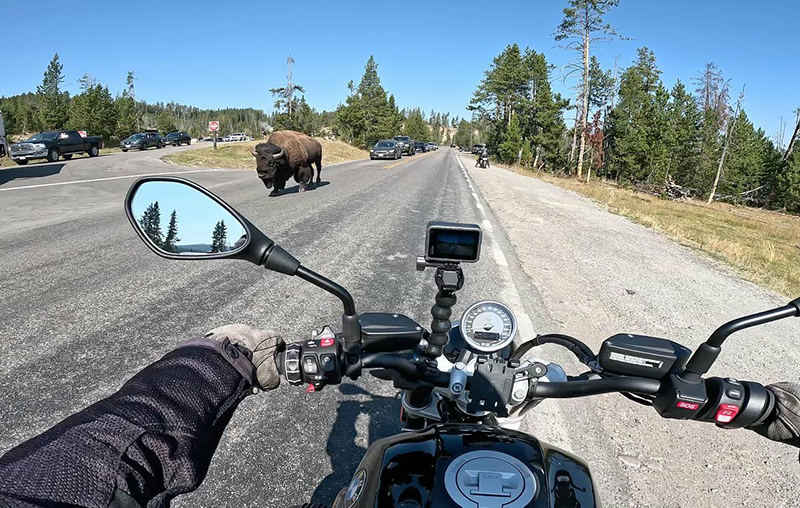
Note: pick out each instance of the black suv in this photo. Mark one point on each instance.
(406, 145)
(178, 138)
(420, 146)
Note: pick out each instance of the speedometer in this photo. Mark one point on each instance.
(488, 326)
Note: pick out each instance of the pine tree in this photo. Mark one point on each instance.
(285, 101)
(509, 150)
(94, 111)
(416, 127)
(583, 26)
(367, 116)
(684, 124)
(462, 133)
(171, 240)
(165, 123)
(150, 222)
(53, 104)
(219, 237)
(631, 130)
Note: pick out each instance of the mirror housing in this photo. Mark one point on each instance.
(258, 248)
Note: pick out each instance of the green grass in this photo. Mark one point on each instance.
(238, 156)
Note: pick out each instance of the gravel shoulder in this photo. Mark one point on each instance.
(599, 274)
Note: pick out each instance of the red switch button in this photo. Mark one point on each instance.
(326, 342)
(726, 413)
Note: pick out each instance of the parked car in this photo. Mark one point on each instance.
(178, 139)
(386, 149)
(142, 141)
(420, 146)
(406, 144)
(237, 136)
(52, 145)
(478, 148)
(431, 146)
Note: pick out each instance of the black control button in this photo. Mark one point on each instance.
(310, 365)
(734, 394)
(733, 381)
(328, 363)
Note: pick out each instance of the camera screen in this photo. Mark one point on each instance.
(446, 244)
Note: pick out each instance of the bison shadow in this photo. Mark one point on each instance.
(296, 189)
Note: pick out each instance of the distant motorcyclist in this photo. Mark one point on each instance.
(155, 437)
(482, 155)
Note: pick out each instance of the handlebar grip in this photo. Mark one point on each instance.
(568, 389)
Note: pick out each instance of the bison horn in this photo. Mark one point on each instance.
(253, 152)
(278, 155)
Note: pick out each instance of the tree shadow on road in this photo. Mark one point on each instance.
(345, 453)
(23, 172)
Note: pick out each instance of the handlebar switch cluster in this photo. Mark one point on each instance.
(317, 361)
(734, 404)
(680, 399)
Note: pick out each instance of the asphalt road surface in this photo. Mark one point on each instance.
(84, 305)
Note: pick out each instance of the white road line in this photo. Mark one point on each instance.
(116, 178)
(499, 257)
(548, 415)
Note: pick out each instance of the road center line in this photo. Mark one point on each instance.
(116, 178)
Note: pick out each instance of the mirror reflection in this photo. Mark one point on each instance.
(180, 219)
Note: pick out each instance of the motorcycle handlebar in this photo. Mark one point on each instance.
(584, 388)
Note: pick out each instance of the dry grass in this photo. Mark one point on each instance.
(762, 245)
(237, 155)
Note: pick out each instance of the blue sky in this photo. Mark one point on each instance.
(197, 214)
(430, 54)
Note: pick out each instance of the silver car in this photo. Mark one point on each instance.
(386, 149)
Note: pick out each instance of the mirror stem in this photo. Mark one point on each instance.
(329, 286)
(351, 328)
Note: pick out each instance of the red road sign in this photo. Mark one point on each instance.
(213, 126)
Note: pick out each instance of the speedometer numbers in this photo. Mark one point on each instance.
(488, 326)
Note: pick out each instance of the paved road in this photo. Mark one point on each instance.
(84, 304)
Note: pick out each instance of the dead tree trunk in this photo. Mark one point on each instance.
(585, 110)
(793, 139)
(725, 147)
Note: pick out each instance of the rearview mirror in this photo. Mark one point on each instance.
(178, 219)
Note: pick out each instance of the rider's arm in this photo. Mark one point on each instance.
(151, 440)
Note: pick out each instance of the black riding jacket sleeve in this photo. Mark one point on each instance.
(143, 445)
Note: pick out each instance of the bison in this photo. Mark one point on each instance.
(287, 154)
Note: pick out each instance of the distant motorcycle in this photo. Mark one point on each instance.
(483, 161)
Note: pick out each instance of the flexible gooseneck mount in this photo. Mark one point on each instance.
(707, 353)
(449, 279)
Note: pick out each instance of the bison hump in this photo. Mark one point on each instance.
(296, 153)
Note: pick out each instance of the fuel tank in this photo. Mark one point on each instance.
(467, 465)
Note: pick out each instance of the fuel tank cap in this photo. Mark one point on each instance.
(489, 479)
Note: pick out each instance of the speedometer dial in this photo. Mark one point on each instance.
(488, 326)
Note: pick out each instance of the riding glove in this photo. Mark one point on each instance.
(783, 425)
(264, 345)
